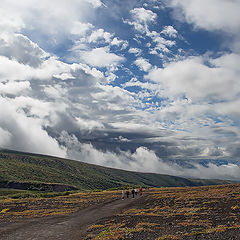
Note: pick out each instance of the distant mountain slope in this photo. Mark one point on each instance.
(35, 168)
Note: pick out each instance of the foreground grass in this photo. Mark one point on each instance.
(177, 213)
(187, 213)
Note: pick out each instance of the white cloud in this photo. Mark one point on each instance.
(5, 137)
(100, 34)
(101, 57)
(117, 42)
(88, 124)
(17, 126)
(10, 19)
(115, 102)
(54, 92)
(161, 44)
(14, 88)
(213, 15)
(194, 79)
(110, 77)
(169, 31)
(145, 160)
(48, 21)
(212, 171)
(141, 19)
(13, 70)
(142, 15)
(229, 108)
(122, 139)
(95, 3)
(135, 51)
(96, 41)
(80, 28)
(143, 64)
(21, 49)
(201, 103)
(64, 76)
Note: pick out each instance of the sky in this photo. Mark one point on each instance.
(141, 85)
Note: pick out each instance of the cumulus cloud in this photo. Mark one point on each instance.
(117, 42)
(17, 125)
(14, 88)
(80, 29)
(100, 34)
(141, 19)
(44, 104)
(142, 15)
(26, 14)
(169, 31)
(135, 51)
(89, 125)
(65, 23)
(161, 44)
(143, 64)
(12, 70)
(101, 57)
(22, 49)
(217, 15)
(194, 79)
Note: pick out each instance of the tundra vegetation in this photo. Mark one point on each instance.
(16, 205)
(206, 212)
(210, 212)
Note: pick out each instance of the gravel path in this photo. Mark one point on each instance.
(72, 227)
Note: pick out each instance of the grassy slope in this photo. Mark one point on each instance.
(26, 167)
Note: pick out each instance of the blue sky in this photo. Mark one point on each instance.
(149, 86)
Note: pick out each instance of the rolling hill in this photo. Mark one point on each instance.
(34, 171)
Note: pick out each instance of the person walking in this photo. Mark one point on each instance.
(141, 191)
(136, 191)
(122, 195)
(133, 192)
(127, 192)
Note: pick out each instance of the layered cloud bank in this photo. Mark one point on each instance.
(143, 85)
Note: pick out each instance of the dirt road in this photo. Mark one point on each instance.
(72, 227)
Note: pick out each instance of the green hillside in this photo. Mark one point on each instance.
(34, 168)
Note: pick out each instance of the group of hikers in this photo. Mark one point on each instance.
(134, 193)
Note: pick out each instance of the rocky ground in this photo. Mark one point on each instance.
(177, 213)
(166, 213)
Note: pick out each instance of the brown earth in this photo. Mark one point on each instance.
(189, 213)
(25, 219)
